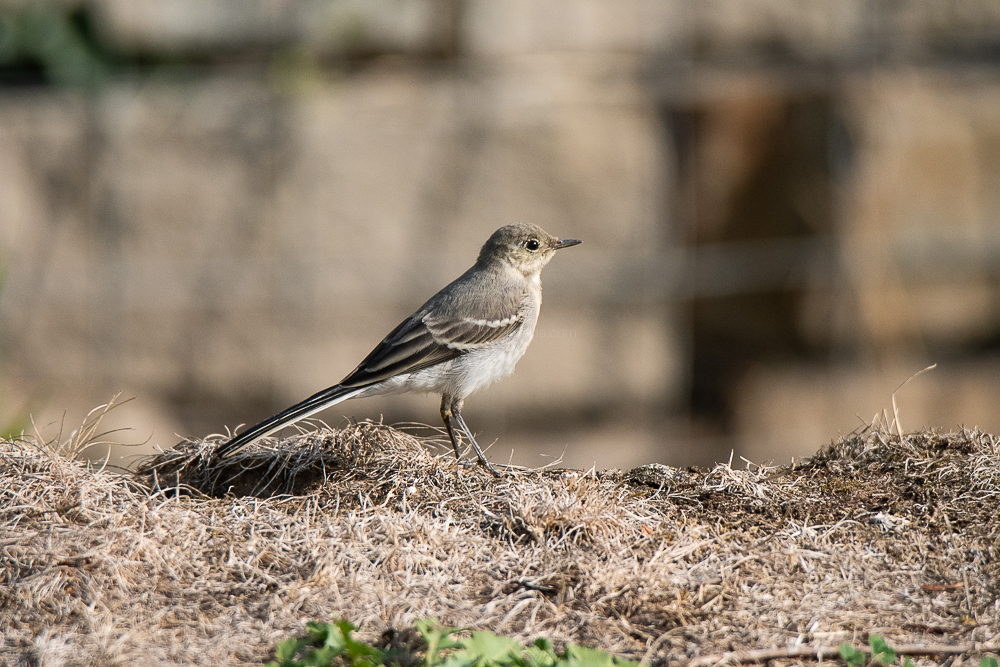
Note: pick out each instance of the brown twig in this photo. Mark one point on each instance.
(823, 652)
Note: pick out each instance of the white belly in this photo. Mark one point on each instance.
(466, 374)
(482, 368)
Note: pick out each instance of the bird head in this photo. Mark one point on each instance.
(524, 246)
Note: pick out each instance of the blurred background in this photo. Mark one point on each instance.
(218, 207)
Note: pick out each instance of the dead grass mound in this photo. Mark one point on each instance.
(190, 562)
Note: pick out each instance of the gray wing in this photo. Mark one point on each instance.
(460, 318)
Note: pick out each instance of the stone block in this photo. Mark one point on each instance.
(492, 28)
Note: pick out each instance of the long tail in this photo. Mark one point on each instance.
(310, 406)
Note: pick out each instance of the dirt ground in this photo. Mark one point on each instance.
(192, 562)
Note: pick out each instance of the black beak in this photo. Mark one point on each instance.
(565, 243)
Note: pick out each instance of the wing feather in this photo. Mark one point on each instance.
(442, 330)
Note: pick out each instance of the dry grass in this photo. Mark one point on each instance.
(190, 563)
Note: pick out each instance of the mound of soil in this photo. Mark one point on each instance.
(188, 561)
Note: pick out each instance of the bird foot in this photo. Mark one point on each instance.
(470, 464)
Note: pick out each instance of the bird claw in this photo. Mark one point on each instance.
(470, 464)
(486, 464)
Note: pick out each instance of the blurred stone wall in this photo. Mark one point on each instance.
(222, 241)
(787, 209)
(916, 274)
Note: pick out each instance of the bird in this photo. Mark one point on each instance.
(464, 338)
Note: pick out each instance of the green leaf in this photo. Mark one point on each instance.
(327, 636)
(328, 642)
(361, 654)
(324, 642)
(459, 659)
(432, 630)
(487, 649)
(438, 638)
(317, 630)
(579, 656)
(541, 654)
(319, 648)
(320, 657)
(907, 662)
(544, 644)
(851, 655)
(987, 661)
(286, 651)
(881, 651)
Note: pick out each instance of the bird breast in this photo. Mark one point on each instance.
(483, 367)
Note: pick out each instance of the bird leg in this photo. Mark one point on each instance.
(475, 445)
(446, 416)
(451, 413)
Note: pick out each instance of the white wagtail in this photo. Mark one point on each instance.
(467, 336)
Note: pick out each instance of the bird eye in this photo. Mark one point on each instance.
(532, 244)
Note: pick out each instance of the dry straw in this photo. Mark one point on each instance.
(189, 562)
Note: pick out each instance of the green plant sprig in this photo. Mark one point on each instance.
(329, 644)
(882, 654)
